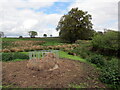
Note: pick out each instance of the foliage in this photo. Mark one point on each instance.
(20, 36)
(75, 25)
(110, 73)
(1, 34)
(107, 43)
(13, 56)
(32, 34)
(108, 64)
(45, 35)
(83, 49)
(97, 59)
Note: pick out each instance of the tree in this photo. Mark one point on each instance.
(100, 32)
(45, 35)
(50, 35)
(32, 34)
(20, 36)
(75, 25)
(1, 34)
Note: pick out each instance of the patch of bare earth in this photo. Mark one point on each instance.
(64, 74)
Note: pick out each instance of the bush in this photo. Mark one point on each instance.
(7, 56)
(20, 56)
(110, 73)
(13, 56)
(106, 43)
(83, 50)
(97, 59)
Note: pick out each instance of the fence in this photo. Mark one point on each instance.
(42, 53)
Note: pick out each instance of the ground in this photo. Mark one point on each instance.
(69, 74)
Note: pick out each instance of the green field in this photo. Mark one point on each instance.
(49, 41)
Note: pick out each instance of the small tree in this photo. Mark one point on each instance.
(20, 36)
(45, 35)
(32, 34)
(1, 34)
(50, 35)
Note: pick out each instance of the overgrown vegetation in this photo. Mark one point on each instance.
(107, 64)
(14, 56)
(106, 43)
(98, 51)
(97, 59)
(110, 73)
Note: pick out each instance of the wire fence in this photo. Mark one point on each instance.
(41, 54)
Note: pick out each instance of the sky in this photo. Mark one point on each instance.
(17, 17)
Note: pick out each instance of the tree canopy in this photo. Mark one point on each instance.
(32, 34)
(75, 25)
(45, 35)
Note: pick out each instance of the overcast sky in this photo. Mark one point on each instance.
(17, 17)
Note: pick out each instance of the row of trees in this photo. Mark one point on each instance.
(32, 34)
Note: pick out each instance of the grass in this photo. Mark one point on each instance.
(63, 54)
(11, 39)
(49, 40)
(15, 60)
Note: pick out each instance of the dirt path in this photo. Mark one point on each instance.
(69, 72)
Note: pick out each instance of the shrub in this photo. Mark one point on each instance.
(106, 43)
(7, 56)
(97, 59)
(110, 73)
(20, 56)
(80, 50)
(12, 56)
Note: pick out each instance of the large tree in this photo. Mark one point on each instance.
(32, 34)
(75, 25)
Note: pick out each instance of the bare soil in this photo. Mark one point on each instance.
(68, 73)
